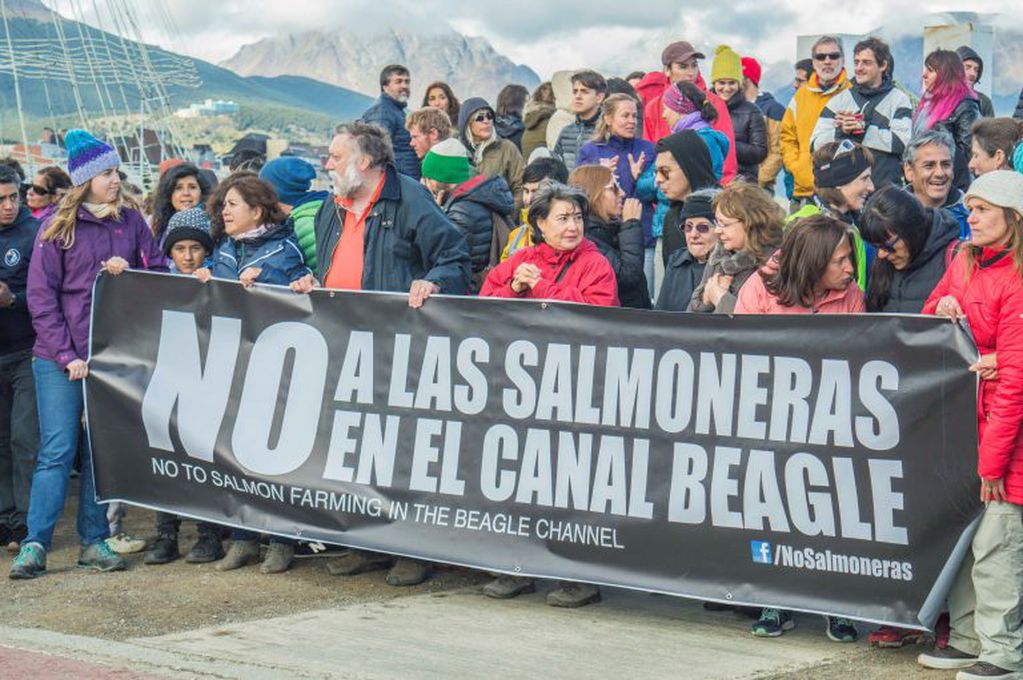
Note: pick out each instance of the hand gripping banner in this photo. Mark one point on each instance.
(816, 463)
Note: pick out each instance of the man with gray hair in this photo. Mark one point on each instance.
(928, 166)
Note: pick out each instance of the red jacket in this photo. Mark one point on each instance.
(993, 301)
(589, 277)
(655, 127)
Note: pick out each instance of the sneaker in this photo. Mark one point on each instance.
(15, 537)
(507, 587)
(358, 562)
(278, 558)
(890, 637)
(406, 572)
(573, 595)
(841, 629)
(100, 557)
(209, 548)
(307, 549)
(946, 659)
(164, 550)
(983, 669)
(773, 622)
(123, 544)
(240, 554)
(30, 562)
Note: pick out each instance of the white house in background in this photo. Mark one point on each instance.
(208, 108)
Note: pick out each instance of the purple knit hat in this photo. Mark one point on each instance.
(678, 102)
(87, 156)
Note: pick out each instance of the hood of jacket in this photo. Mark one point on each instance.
(469, 108)
(966, 52)
(887, 83)
(651, 86)
(508, 126)
(491, 192)
(944, 229)
(712, 136)
(534, 117)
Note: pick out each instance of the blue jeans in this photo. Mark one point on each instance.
(60, 404)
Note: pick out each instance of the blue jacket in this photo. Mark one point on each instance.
(16, 243)
(390, 115)
(718, 144)
(593, 152)
(408, 237)
(276, 254)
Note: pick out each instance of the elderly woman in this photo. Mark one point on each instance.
(565, 265)
(684, 270)
(491, 155)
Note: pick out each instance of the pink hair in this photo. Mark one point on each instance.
(950, 87)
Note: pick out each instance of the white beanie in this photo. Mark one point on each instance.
(1003, 188)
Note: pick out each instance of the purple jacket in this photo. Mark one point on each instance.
(60, 281)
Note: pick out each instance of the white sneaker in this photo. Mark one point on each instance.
(123, 544)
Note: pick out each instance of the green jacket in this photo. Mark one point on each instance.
(858, 244)
(303, 218)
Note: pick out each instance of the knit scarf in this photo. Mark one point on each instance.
(102, 211)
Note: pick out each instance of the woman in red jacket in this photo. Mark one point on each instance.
(984, 285)
(566, 265)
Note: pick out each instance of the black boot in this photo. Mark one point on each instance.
(164, 550)
(209, 548)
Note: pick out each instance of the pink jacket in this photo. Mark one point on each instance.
(754, 298)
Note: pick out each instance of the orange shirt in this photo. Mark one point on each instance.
(345, 270)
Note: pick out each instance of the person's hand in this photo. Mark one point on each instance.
(203, 274)
(716, 288)
(6, 296)
(987, 367)
(77, 370)
(632, 210)
(610, 163)
(992, 490)
(249, 276)
(949, 307)
(636, 164)
(420, 291)
(526, 276)
(304, 284)
(847, 121)
(115, 266)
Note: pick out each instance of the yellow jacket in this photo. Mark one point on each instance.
(771, 166)
(797, 127)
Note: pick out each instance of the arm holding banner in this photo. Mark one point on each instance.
(445, 252)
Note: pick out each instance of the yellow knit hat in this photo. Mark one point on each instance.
(727, 65)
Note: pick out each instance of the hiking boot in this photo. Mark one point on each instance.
(946, 659)
(841, 629)
(240, 554)
(30, 562)
(506, 587)
(890, 637)
(209, 548)
(773, 622)
(406, 572)
(278, 558)
(983, 669)
(99, 557)
(15, 537)
(358, 562)
(574, 595)
(123, 544)
(164, 550)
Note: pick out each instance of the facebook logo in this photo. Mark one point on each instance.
(761, 552)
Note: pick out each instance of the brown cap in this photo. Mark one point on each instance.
(679, 52)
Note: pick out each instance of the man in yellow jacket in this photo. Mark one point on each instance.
(805, 108)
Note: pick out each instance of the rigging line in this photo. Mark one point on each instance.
(17, 86)
(58, 24)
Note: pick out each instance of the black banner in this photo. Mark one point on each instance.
(818, 463)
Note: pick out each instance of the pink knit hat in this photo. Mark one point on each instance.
(678, 102)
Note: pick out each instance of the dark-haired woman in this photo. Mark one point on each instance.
(914, 245)
(950, 103)
(440, 96)
(181, 187)
(511, 101)
(44, 193)
(994, 142)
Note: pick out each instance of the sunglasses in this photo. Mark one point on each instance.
(483, 115)
(889, 246)
(833, 56)
(38, 190)
(701, 228)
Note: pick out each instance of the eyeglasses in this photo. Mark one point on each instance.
(823, 56)
(889, 245)
(38, 190)
(483, 115)
(701, 228)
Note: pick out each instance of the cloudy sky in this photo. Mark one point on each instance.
(614, 35)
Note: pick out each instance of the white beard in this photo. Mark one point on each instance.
(348, 182)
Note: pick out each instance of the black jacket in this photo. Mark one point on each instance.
(510, 128)
(910, 288)
(471, 207)
(960, 125)
(390, 115)
(16, 243)
(751, 145)
(622, 245)
(407, 238)
(682, 275)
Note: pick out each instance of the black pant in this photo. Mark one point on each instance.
(19, 436)
(167, 524)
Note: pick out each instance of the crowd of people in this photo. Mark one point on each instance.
(653, 191)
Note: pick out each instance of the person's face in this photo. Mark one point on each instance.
(670, 117)
(609, 204)
(895, 251)
(438, 98)
(684, 71)
(399, 87)
(670, 178)
(634, 82)
(726, 89)
(481, 125)
(623, 120)
(39, 199)
(931, 174)
(104, 187)
(562, 229)
(239, 216)
(436, 188)
(188, 255)
(972, 70)
(801, 78)
(421, 142)
(827, 62)
(186, 194)
(528, 189)
(866, 69)
(700, 236)
(584, 100)
(930, 75)
(857, 191)
(981, 162)
(731, 232)
(988, 226)
(346, 166)
(839, 273)
(10, 203)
